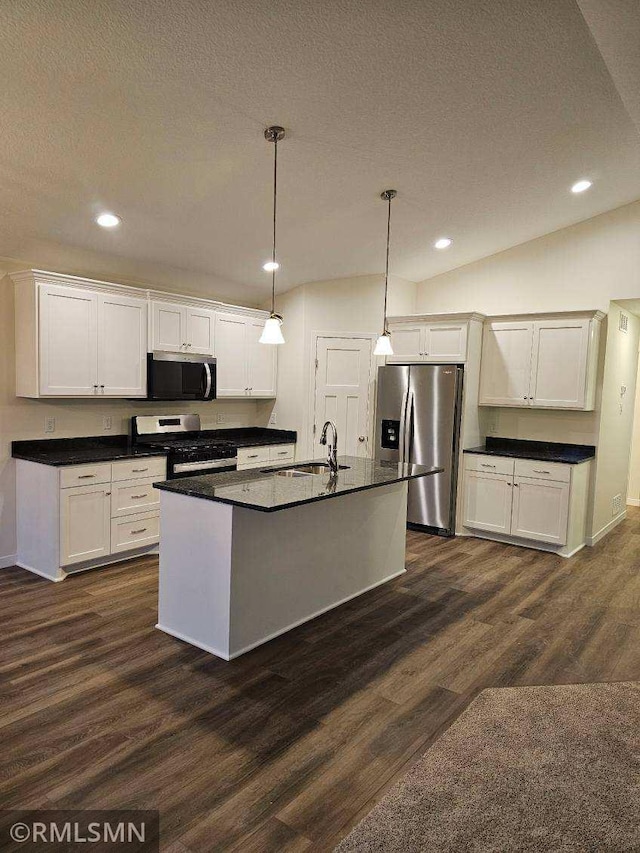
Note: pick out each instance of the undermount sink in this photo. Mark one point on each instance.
(306, 470)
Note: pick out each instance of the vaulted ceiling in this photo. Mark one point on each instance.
(481, 115)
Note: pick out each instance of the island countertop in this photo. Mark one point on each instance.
(267, 491)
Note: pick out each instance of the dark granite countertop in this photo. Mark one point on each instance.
(265, 491)
(541, 451)
(109, 448)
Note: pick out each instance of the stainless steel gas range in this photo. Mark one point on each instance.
(189, 453)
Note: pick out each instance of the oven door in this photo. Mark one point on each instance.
(177, 376)
(205, 466)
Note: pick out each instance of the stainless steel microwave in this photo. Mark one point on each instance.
(180, 376)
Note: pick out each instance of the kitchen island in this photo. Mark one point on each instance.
(246, 556)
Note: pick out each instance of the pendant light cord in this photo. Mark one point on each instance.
(386, 271)
(275, 201)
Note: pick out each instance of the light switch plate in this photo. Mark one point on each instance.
(49, 424)
(107, 422)
(273, 419)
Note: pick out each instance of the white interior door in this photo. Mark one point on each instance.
(122, 346)
(342, 389)
(68, 341)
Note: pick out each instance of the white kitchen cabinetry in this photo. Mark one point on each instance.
(268, 456)
(430, 338)
(182, 328)
(83, 515)
(526, 502)
(77, 342)
(245, 367)
(543, 362)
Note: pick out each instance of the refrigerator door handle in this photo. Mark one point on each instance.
(403, 426)
(408, 425)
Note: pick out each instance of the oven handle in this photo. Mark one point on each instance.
(207, 390)
(181, 467)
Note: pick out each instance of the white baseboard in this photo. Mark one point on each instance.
(9, 560)
(633, 501)
(592, 540)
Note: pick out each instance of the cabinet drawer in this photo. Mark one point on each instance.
(543, 470)
(134, 496)
(282, 452)
(488, 464)
(85, 475)
(134, 531)
(253, 455)
(134, 469)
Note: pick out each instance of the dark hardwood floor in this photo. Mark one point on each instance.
(287, 747)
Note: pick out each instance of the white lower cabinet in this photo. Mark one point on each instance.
(85, 521)
(113, 515)
(521, 499)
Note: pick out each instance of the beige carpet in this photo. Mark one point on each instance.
(550, 769)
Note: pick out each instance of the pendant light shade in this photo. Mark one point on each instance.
(383, 344)
(272, 333)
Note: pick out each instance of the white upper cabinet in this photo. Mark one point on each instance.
(245, 367)
(91, 344)
(68, 332)
(427, 339)
(506, 364)
(182, 328)
(122, 346)
(541, 362)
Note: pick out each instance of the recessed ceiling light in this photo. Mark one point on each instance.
(581, 186)
(108, 220)
(443, 243)
(270, 266)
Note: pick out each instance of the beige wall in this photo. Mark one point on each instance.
(353, 305)
(585, 266)
(616, 418)
(24, 419)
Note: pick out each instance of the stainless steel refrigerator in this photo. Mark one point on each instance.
(418, 420)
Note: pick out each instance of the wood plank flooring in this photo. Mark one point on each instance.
(287, 747)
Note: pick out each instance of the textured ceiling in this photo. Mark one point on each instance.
(480, 114)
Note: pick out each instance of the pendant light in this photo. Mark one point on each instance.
(272, 333)
(383, 344)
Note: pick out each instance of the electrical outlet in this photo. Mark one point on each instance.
(221, 418)
(616, 505)
(107, 422)
(49, 424)
(273, 419)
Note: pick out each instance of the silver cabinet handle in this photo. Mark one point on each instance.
(139, 470)
(535, 471)
(140, 530)
(85, 476)
(283, 453)
(486, 465)
(252, 456)
(139, 497)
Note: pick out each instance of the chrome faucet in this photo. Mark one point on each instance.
(332, 452)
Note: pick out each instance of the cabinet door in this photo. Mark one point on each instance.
(559, 365)
(487, 501)
(68, 341)
(407, 343)
(231, 355)
(446, 342)
(505, 370)
(200, 329)
(169, 333)
(540, 510)
(85, 521)
(122, 346)
(262, 362)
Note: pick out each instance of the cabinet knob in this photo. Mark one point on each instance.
(362, 438)
(95, 386)
(102, 386)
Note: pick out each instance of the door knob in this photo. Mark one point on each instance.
(362, 438)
